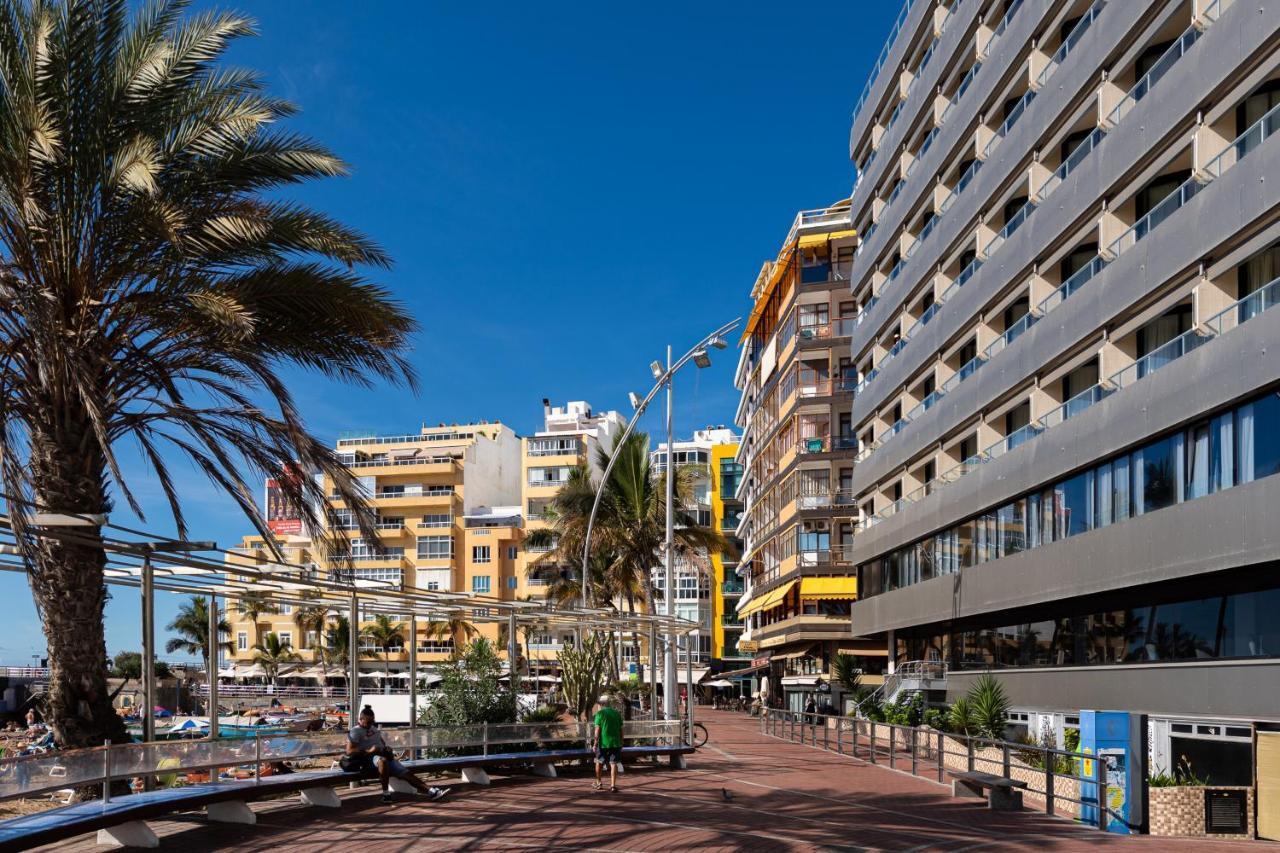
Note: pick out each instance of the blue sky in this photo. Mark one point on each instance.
(565, 189)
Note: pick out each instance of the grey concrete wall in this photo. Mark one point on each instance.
(1240, 31)
(888, 76)
(958, 31)
(1223, 370)
(1248, 690)
(958, 127)
(1234, 203)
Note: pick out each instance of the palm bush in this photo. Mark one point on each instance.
(155, 282)
(273, 653)
(386, 635)
(191, 626)
(990, 706)
(962, 718)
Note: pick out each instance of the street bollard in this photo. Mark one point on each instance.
(942, 745)
(1048, 782)
(106, 772)
(893, 746)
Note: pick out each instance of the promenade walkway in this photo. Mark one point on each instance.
(782, 796)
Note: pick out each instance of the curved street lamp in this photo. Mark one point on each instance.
(663, 378)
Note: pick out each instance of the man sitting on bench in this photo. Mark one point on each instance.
(367, 750)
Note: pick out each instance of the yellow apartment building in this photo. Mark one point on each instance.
(453, 504)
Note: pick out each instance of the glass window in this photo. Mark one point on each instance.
(1187, 630)
(1222, 467)
(481, 554)
(1157, 474)
(480, 583)
(242, 641)
(1011, 522)
(1249, 625)
(1259, 448)
(435, 547)
(1074, 509)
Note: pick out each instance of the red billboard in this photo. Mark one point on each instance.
(282, 518)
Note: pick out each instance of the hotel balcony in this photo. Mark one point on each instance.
(800, 628)
(552, 447)
(405, 464)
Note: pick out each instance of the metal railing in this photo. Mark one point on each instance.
(27, 775)
(1166, 61)
(1074, 159)
(1069, 43)
(1061, 782)
(414, 460)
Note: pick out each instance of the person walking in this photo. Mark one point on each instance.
(368, 750)
(606, 739)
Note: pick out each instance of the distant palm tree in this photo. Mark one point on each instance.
(629, 535)
(273, 653)
(386, 635)
(156, 287)
(192, 627)
(253, 606)
(336, 648)
(454, 627)
(312, 619)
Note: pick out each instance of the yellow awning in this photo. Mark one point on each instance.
(835, 588)
(836, 235)
(770, 599)
(811, 240)
(776, 275)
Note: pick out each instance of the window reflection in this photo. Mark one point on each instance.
(1231, 448)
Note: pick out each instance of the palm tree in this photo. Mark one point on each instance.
(155, 285)
(629, 535)
(273, 653)
(253, 606)
(192, 627)
(453, 627)
(312, 619)
(336, 648)
(386, 635)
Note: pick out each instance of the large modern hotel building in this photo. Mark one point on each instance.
(1063, 418)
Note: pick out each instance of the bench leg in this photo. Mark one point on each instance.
(1005, 800)
(547, 771)
(960, 788)
(323, 797)
(135, 833)
(678, 762)
(400, 786)
(232, 811)
(475, 775)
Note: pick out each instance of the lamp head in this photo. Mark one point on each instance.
(634, 398)
(719, 342)
(655, 367)
(701, 358)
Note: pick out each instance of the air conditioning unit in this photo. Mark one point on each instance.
(818, 526)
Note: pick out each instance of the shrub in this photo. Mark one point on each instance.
(990, 706)
(962, 718)
(470, 689)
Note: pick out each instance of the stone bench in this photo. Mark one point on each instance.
(1001, 793)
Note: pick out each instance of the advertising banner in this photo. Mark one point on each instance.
(282, 518)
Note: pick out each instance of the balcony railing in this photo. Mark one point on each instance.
(1158, 214)
(1007, 125)
(1166, 61)
(1074, 159)
(413, 460)
(1229, 318)
(571, 448)
(1070, 42)
(732, 588)
(816, 217)
(882, 58)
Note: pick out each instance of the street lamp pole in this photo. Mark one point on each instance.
(668, 590)
(698, 355)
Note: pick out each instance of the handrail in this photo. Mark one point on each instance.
(1052, 775)
(26, 775)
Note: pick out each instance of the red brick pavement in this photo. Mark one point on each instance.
(784, 796)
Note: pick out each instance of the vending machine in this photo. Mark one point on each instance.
(1114, 745)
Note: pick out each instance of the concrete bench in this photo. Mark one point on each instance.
(121, 821)
(1001, 793)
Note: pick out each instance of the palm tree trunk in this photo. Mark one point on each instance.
(67, 583)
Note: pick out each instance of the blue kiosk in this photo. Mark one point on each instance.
(1114, 743)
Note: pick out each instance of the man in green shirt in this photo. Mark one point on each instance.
(606, 737)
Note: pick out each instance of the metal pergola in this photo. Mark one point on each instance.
(151, 564)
